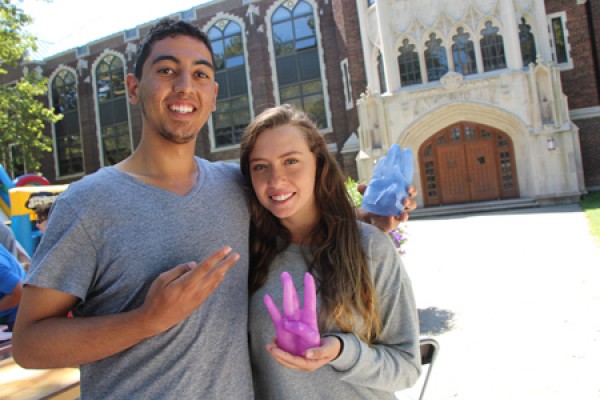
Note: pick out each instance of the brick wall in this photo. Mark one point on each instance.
(589, 136)
(580, 83)
(340, 38)
(349, 165)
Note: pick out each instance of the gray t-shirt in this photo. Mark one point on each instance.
(361, 371)
(110, 236)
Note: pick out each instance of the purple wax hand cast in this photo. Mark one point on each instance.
(389, 185)
(297, 330)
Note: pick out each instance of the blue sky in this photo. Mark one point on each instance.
(65, 24)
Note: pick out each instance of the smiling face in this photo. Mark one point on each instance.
(282, 170)
(177, 90)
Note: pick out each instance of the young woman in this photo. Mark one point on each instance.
(302, 220)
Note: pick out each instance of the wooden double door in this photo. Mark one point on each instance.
(467, 162)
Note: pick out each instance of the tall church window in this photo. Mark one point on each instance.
(381, 74)
(297, 59)
(435, 58)
(463, 53)
(492, 48)
(67, 134)
(233, 105)
(410, 67)
(528, 50)
(112, 110)
(559, 39)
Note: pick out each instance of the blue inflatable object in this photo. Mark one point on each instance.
(389, 184)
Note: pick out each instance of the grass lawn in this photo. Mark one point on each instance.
(591, 206)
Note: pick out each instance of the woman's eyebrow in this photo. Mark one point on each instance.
(289, 153)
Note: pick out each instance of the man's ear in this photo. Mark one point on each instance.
(216, 94)
(132, 87)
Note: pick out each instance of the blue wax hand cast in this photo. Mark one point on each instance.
(389, 184)
(297, 331)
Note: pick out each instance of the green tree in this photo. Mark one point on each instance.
(22, 114)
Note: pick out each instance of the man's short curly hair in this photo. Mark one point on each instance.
(167, 27)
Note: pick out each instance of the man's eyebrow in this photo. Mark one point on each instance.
(168, 57)
(163, 57)
(205, 62)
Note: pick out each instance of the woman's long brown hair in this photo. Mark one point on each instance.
(339, 264)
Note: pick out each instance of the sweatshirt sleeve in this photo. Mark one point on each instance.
(392, 362)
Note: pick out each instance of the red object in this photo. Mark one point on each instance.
(31, 180)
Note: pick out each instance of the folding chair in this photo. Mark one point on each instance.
(429, 350)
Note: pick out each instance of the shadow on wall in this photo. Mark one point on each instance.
(434, 321)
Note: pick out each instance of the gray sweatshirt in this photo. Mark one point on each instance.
(361, 371)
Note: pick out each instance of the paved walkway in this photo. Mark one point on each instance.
(17, 383)
(514, 300)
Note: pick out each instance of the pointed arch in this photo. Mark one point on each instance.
(295, 45)
(234, 102)
(113, 119)
(491, 44)
(409, 61)
(528, 40)
(63, 89)
(435, 55)
(464, 59)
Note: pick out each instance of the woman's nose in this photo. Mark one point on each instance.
(276, 175)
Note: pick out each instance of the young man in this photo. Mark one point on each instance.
(137, 250)
(142, 252)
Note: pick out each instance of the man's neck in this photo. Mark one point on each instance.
(167, 166)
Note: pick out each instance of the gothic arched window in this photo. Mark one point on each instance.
(233, 105)
(463, 53)
(112, 109)
(410, 67)
(492, 48)
(528, 50)
(381, 73)
(297, 59)
(67, 135)
(435, 58)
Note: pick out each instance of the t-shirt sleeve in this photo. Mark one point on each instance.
(65, 259)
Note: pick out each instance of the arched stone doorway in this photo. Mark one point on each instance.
(467, 162)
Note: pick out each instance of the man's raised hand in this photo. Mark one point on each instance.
(177, 293)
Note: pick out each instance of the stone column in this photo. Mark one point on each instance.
(512, 45)
(542, 37)
(387, 43)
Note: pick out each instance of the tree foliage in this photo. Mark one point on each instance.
(22, 114)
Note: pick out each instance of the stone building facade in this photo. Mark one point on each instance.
(497, 99)
(487, 94)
